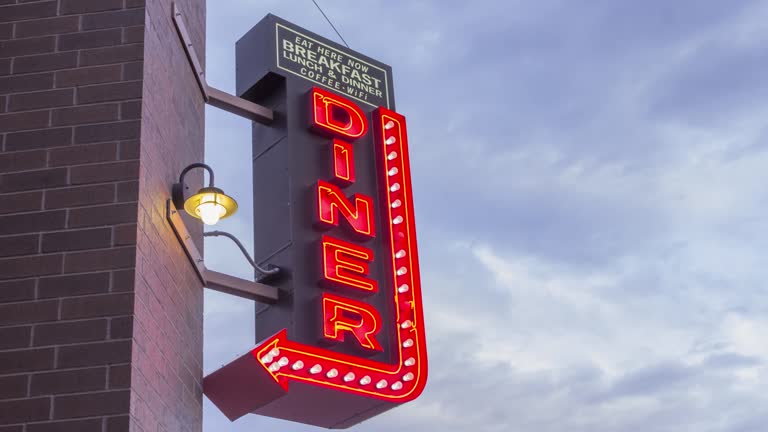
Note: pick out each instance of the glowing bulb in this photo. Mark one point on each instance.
(408, 343)
(410, 362)
(349, 377)
(283, 361)
(381, 384)
(397, 386)
(274, 367)
(393, 171)
(210, 212)
(365, 380)
(406, 324)
(396, 204)
(275, 352)
(398, 220)
(408, 377)
(267, 359)
(400, 254)
(316, 369)
(333, 373)
(391, 140)
(299, 365)
(401, 271)
(395, 187)
(390, 124)
(392, 155)
(403, 288)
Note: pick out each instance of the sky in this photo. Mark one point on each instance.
(590, 188)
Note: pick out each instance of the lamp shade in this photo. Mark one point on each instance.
(210, 204)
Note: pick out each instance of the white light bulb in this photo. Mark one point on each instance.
(395, 187)
(333, 373)
(397, 386)
(209, 212)
(267, 359)
(401, 271)
(274, 367)
(275, 352)
(398, 220)
(410, 362)
(299, 365)
(408, 377)
(283, 361)
(393, 171)
(365, 380)
(392, 155)
(349, 377)
(406, 324)
(390, 124)
(391, 140)
(381, 384)
(400, 254)
(316, 369)
(408, 343)
(403, 288)
(396, 204)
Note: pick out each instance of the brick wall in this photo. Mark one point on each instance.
(100, 313)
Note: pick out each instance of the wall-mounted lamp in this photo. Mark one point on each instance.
(210, 204)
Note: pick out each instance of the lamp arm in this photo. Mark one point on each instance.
(197, 165)
(263, 271)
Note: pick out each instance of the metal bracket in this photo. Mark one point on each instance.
(211, 279)
(213, 96)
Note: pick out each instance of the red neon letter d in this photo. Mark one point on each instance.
(336, 116)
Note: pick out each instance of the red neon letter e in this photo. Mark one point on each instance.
(337, 116)
(342, 315)
(347, 264)
(331, 201)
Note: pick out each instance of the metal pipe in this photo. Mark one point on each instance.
(263, 271)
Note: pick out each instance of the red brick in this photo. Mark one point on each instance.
(16, 291)
(121, 328)
(97, 306)
(128, 191)
(25, 410)
(73, 240)
(133, 71)
(108, 132)
(6, 31)
(45, 62)
(125, 235)
(29, 312)
(85, 114)
(32, 222)
(92, 75)
(13, 387)
(107, 172)
(16, 428)
(24, 121)
(125, 18)
(19, 245)
(84, 6)
(91, 404)
(22, 83)
(27, 11)
(135, 3)
(21, 202)
(123, 280)
(21, 161)
(109, 92)
(14, 337)
(74, 285)
(112, 54)
(38, 139)
(88, 425)
(30, 180)
(129, 150)
(83, 154)
(94, 354)
(70, 332)
(47, 26)
(26, 361)
(79, 196)
(79, 262)
(103, 215)
(5, 67)
(130, 110)
(16, 47)
(17, 268)
(94, 39)
(42, 99)
(133, 34)
(74, 381)
(120, 376)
